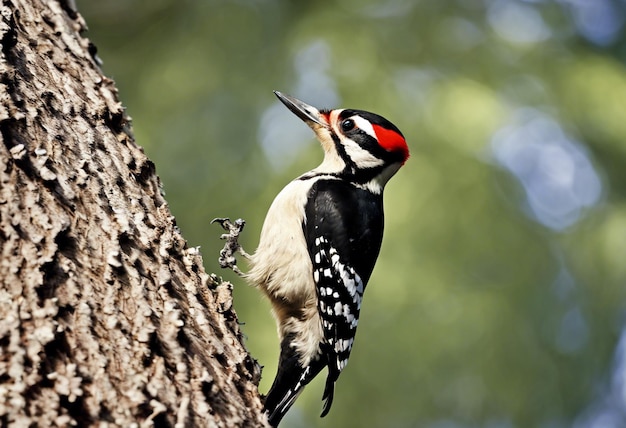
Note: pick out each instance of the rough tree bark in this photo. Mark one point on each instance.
(106, 316)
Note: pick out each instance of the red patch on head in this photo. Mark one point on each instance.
(392, 141)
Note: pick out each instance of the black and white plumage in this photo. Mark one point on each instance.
(319, 243)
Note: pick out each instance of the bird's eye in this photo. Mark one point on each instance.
(347, 125)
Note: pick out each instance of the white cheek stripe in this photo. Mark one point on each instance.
(365, 126)
(359, 155)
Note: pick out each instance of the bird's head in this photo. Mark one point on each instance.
(358, 145)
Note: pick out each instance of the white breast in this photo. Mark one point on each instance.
(281, 265)
(282, 268)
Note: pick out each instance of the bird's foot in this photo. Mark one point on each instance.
(231, 247)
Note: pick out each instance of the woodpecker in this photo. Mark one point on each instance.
(319, 243)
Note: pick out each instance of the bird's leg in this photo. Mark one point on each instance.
(231, 247)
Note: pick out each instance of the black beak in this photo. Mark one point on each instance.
(307, 113)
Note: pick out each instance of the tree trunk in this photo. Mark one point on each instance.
(106, 316)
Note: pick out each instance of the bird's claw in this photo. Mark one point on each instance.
(231, 247)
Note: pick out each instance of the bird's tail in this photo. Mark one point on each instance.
(290, 380)
(329, 393)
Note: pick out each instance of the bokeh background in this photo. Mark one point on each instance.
(499, 297)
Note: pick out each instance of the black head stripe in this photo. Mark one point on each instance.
(341, 151)
(352, 171)
(372, 118)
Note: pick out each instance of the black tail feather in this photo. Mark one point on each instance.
(291, 378)
(285, 390)
(276, 413)
(329, 393)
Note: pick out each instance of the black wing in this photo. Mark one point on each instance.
(343, 232)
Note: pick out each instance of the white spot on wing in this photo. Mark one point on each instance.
(338, 308)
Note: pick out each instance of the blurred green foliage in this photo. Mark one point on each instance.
(498, 299)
